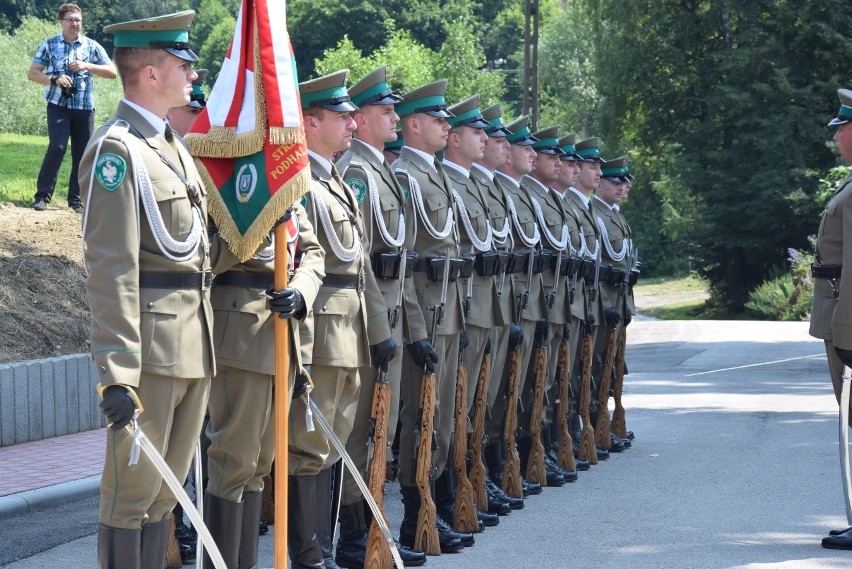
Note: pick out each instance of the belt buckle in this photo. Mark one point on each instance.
(206, 279)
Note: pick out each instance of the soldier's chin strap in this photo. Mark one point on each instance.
(845, 470)
(378, 517)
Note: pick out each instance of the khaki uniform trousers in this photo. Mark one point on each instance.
(498, 383)
(554, 336)
(357, 445)
(447, 347)
(336, 393)
(474, 354)
(132, 496)
(241, 432)
(835, 367)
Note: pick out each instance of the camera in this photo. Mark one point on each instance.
(68, 92)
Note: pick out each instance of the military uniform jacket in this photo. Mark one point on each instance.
(631, 304)
(244, 327)
(573, 284)
(437, 204)
(501, 227)
(552, 219)
(160, 331)
(357, 167)
(527, 237)
(832, 319)
(588, 226)
(346, 321)
(483, 289)
(615, 242)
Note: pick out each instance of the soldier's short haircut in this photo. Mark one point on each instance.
(130, 61)
(316, 112)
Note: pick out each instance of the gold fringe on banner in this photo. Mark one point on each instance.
(244, 246)
(224, 142)
(286, 135)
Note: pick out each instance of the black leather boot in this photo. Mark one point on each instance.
(408, 527)
(155, 542)
(444, 491)
(326, 515)
(410, 557)
(550, 457)
(352, 543)
(250, 529)
(302, 543)
(119, 548)
(224, 519)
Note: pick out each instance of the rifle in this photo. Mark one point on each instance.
(587, 436)
(602, 429)
(464, 514)
(477, 437)
(619, 425)
(378, 555)
(512, 468)
(535, 462)
(426, 538)
(565, 456)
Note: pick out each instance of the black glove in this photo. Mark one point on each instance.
(383, 353)
(118, 406)
(566, 331)
(516, 336)
(590, 321)
(284, 218)
(844, 355)
(287, 302)
(464, 340)
(628, 318)
(488, 345)
(300, 385)
(611, 317)
(423, 354)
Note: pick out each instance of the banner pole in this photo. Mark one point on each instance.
(282, 402)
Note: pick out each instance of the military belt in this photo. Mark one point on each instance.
(386, 265)
(340, 281)
(434, 267)
(614, 277)
(490, 263)
(515, 263)
(244, 280)
(200, 280)
(826, 271)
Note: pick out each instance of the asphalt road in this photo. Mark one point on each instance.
(735, 465)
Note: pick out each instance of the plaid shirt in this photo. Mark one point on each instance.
(56, 54)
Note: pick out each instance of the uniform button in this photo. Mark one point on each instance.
(324, 309)
(150, 305)
(102, 369)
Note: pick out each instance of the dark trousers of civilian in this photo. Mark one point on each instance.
(63, 123)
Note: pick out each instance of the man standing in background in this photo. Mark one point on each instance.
(65, 63)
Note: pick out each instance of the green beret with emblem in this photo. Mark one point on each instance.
(427, 99)
(615, 170)
(493, 114)
(589, 149)
(520, 132)
(395, 145)
(844, 115)
(374, 89)
(566, 143)
(327, 92)
(467, 113)
(169, 32)
(548, 141)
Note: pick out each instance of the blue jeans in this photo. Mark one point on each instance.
(63, 123)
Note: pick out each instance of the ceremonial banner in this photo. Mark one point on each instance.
(248, 141)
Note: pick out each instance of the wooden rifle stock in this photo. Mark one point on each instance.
(587, 437)
(464, 514)
(602, 429)
(535, 462)
(565, 455)
(477, 437)
(378, 555)
(512, 467)
(619, 425)
(426, 538)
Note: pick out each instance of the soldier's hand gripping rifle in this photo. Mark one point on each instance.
(535, 462)
(426, 538)
(565, 455)
(464, 513)
(619, 424)
(477, 436)
(378, 555)
(587, 436)
(512, 467)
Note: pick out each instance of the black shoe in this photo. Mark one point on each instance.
(444, 528)
(497, 506)
(576, 448)
(530, 488)
(603, 454)
(630, 435)
(840, 541)
(582, 465)
(77, 207)
(616, 444)
(616, 439)
(187, 553)
(497, 492)
(489, 520)
(839, 531)
(554, 479)
(263, 529)
(411, 558)
(40, 205)
(567, 475)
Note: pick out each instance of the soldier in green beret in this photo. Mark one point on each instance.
(350, 319)
(388, 216)
(148, 286)
(182, 117)
(391, 149)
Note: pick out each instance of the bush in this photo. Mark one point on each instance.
(786, 296)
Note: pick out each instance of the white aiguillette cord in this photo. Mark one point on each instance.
(845, 470)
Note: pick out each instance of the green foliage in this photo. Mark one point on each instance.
(461, 60)
(786, 296)
(831, 183)
(214, 48)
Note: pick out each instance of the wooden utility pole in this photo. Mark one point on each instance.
(530, 95)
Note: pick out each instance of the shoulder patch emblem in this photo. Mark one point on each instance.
(406, 193)
(359, 188)
(109, 170)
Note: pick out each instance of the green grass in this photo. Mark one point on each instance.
(657, 285)
(690, 310)
(22, 156)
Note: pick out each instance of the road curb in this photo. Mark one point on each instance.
(48, 497)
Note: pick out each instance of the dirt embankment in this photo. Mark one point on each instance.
(43, 308)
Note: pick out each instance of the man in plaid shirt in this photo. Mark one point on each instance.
(65, 63)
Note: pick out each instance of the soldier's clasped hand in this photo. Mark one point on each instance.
(423, 354)
(287, 302)
(118, 406)
(383, 353)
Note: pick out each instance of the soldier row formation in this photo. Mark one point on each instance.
(476, 305)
